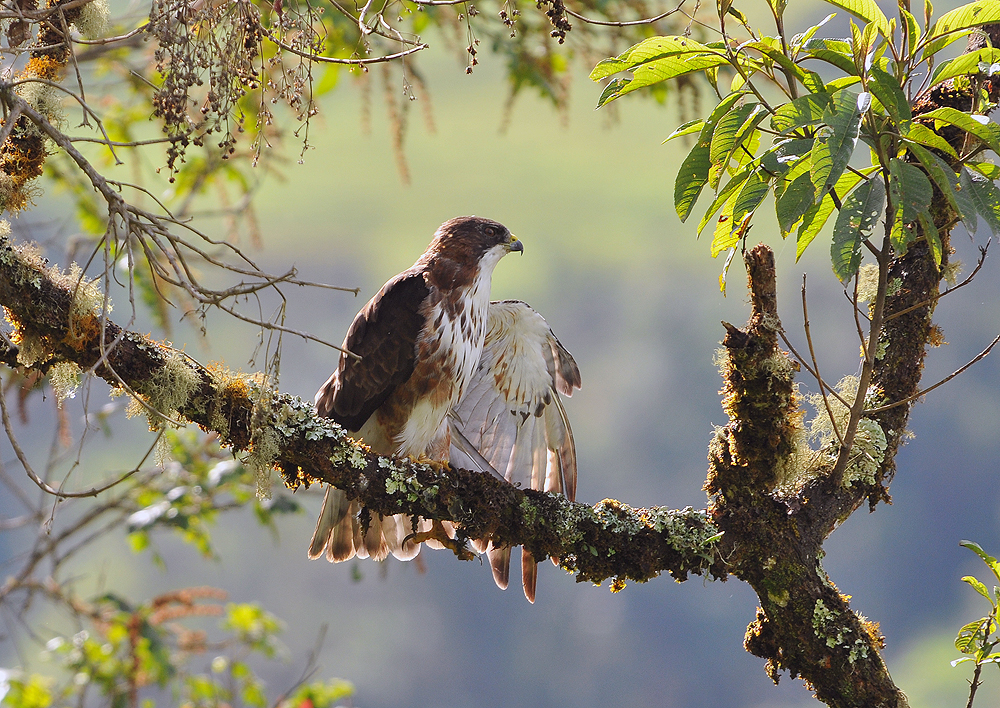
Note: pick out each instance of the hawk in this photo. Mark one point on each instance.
(446, 374)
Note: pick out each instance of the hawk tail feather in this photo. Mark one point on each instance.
(333, 513)
(500, 564)
(529, 574)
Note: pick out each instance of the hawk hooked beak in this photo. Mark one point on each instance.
(515, 245)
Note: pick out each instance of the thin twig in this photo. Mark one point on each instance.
(857, 321)
(353, 62)
(605, 23)
(925, 303)
(812, 354)
(982, 355)
(93, 492)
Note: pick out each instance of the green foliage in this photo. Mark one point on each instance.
(197, 483)
(978, 639)
(887, 60)
(957, 23)
(854, 224)
(126, 653)
(123, 652)
(656, 60)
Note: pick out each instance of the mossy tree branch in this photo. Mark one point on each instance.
(770, 537)
(57, 319)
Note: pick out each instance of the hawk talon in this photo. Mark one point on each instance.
(438, 533)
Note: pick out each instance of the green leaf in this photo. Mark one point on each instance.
(800, 39)
(832, 51)
(724, 137)
(722, 289)
(977, 125)
(612, 90)
(912, 29)
(858, 216)
(812, 222)
(942, 174)
(890, 95)
(967, 203)
(952, 25)
(731, 186)
(725, 236)
(842, 83)
(930, 230)
(987, 558)
(751, 195)
(691, 178)
(654, 60)
(794, 202)
(867, 10)
(784, 154)
(919, 133)
(972, 635)
(773, 163)
(859, 47)
(911, 193)
(985, 198)
(810, 79)
(804, 110)
(909, 187)
(733, 130)
(746, 151)
(836, 139)
(692, 126)
(814, 219)
(979, 587)
(967, 65)
(987, 169)
(693, 173)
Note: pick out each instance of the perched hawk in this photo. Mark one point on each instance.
(446, 374)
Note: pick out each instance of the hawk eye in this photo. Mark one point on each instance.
(490, 231)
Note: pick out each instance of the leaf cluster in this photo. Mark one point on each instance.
(129, 652)
(978, 639)
(804, 148)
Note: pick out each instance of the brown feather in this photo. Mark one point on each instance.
(384, 334)
(529, 574)
(500, 564)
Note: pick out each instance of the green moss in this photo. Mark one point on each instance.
(779, 598)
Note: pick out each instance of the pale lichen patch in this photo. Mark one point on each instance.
(867, 282)
(64, 378)
(870, 443)
(94, 20)
(44, 98)
(169, 388)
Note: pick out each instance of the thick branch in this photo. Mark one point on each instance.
(804, 625)
(56, 320)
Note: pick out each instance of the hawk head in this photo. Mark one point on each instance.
(471, 240)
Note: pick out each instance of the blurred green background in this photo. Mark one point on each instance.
(632, 293)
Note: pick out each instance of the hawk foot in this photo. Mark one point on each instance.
(438, 533)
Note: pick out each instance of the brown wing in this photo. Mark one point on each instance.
(384, 335)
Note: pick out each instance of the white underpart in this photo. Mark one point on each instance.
(427, 422)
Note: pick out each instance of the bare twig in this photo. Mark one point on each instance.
(93, 492)
(982, 355)
(812, 354)
(631, 23)
(929, 301)
(353, 62)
